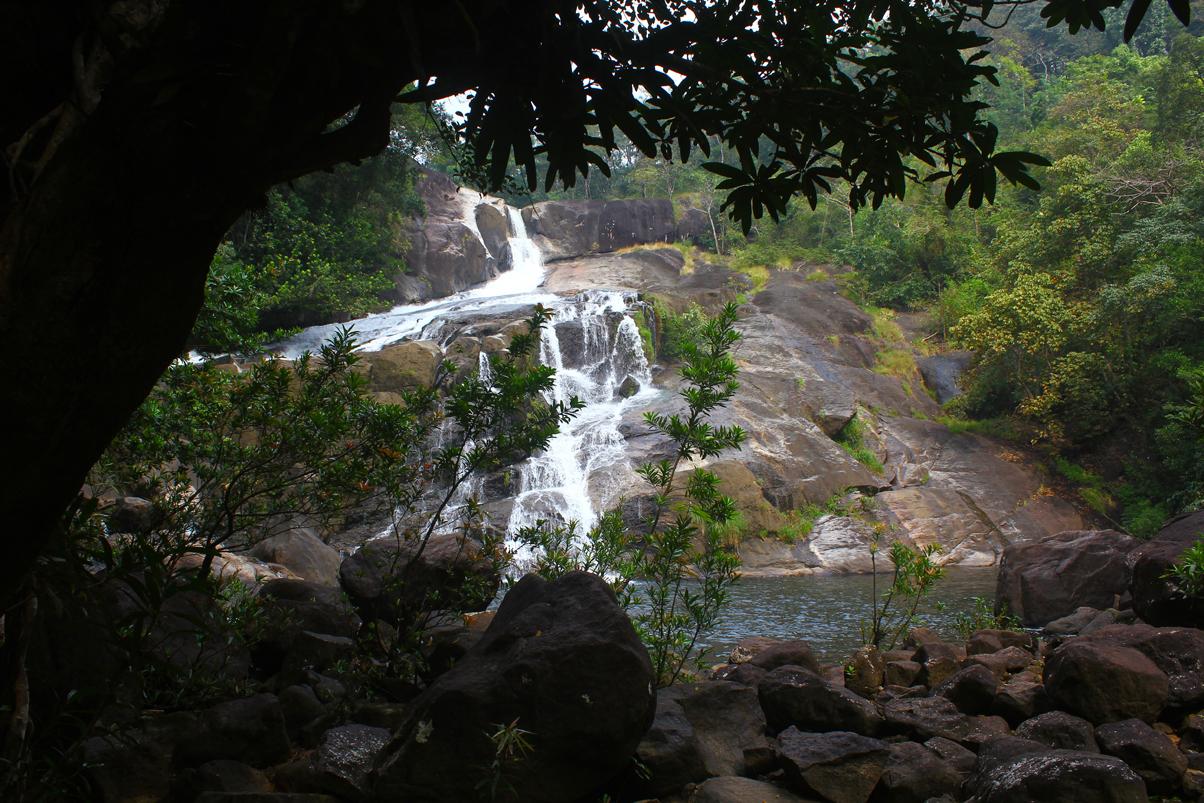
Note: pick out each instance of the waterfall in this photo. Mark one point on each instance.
(596, 349)
(516, 287)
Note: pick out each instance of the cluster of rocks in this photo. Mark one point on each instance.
(1114, 716)
(558, 660)
(1106, 703)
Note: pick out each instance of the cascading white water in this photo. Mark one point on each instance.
(518, 286)
(586, 461)
(593, 344)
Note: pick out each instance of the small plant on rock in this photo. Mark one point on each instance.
(915, 575)
(982, 616)
(1187, 573)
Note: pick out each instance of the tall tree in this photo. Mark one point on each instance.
(136, 131)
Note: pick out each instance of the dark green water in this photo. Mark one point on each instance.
(827, 611)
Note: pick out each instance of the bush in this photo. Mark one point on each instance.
(982, 616)
(915, 575)
(1188, 572)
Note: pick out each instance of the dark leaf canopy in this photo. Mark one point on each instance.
(873, 92)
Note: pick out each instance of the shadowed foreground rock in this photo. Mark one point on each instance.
(562, 661)
(1155, 597)
(1051, 578)
(1014, 770)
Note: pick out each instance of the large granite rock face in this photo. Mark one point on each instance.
(1155, 597)
(566, 229)
(1051, 578)
(449, 249)
(808, 360)
(562, 661)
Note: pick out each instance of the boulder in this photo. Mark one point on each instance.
(971, 689)
(1177, 651)
(566, 229)
(783, 653)
(915, 774)
(694, 226)
(741, 790)
(922, 718)
(1061, 730)
(901, 673)
(1147, 752)
(989, 641)
(745, 674)
(234, 777)
(1012, 770)
(445, 256)
(133, 763)
(840, 767)
(702, 730)
(344, 759)
(942, 372)
(387, 579)
(1021, 697)
(396, 368)
(1044, 580)
(961, 759)
(1155, 597)
(793, 696)
(926, 717)
(1072, 623)
(301, 707)
(1005, 662)
(298, 606)
(303, 553)
(865, 673)
(1105, 682)
(133, 514)
(494, 227)
(250, 729)
(560, 660)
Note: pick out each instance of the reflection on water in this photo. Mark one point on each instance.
(827, 610)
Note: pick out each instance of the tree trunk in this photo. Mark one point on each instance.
(115, 212)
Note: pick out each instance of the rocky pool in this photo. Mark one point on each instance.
(827, 610)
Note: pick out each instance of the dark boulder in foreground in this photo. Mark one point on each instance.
(702, 730)
(840, 767)
(791, 695)
(388, 579)
(1155, 597)
(561, 661)
(1044, 580)
(1149, 753)
(1105, 682)
(1012, 770)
